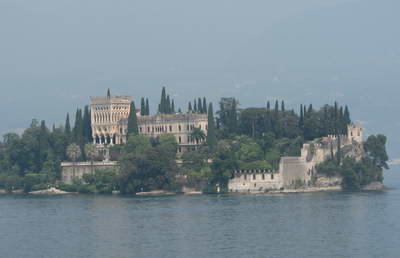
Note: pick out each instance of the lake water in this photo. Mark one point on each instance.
(363, 224)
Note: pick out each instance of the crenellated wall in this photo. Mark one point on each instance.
(297, 172)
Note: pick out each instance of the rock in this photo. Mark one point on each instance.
(325, 181)
(51, 190)
(155, 192)
(374, 186)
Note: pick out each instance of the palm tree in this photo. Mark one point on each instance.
(73, 152)
(91, 153)
(198, 135)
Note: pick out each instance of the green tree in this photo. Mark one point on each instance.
(211, 133)
(142, 107)
(198, 135)
(147, 107)
(375, 148)
(132, 121)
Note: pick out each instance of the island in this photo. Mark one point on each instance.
(114, 147)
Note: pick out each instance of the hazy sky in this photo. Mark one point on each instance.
(55, 54)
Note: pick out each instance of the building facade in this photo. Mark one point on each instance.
(106, 112)
(110, 123)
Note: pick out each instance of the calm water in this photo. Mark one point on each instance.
(302, 225)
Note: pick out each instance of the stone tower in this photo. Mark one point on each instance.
(355, 133)
(106, 112)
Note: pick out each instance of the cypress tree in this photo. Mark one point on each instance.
(173, 107)
(190, 107)
(204, 105)
(304, 111)
(142, 107)
(168, 109)
(195, 106)
(200, 106)
(276, 107)
(78, 128)
(108, 93)
(346, 116)
(67, 129)
(301, 120)
(310, 109)
(163, 103)
(87, 125)
(342, 124)
(179, 110)
(147, 107)
(132, 121)
(233, 117)
(211, 134)
(283, 106)
(268, 106)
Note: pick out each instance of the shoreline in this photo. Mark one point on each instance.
(54, 191)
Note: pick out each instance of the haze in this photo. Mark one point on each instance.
(55, 54)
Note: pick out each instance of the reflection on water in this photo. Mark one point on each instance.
(300, 225)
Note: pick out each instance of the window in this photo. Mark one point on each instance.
(180, 139)
(180, 128)
(272, 176)
(254, 177)
(245, 177)
(179, 149)
(263, 176)
(170, 128)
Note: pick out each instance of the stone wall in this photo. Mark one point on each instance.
(255, 181)
(295, 172)
(76, 170)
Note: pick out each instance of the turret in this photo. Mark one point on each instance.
(355, 133)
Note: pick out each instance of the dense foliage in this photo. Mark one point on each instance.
(249, 138)
(357, 174)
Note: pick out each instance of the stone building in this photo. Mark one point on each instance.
(181, 125)
(294, 172)
(110, 123)
(106, 112)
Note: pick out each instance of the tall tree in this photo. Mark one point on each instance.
(346, 118)
(195, 106)
(173, 107)
(78, 128)
(87, 125)
(147, 107)
(190, 107)
(67, 128)
(168, 105)
(200, 106)
(211, 134)
(133, 128)
(301, 120)
(204, 105)
(142, 107)
(163, 102)
(283, 106)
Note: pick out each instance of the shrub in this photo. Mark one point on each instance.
(39, 187)
(68, 188)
